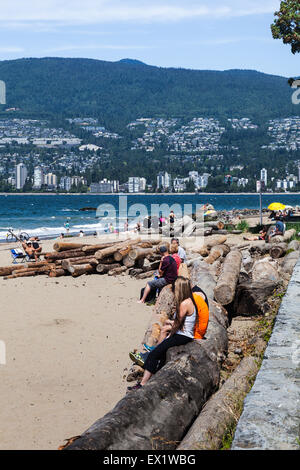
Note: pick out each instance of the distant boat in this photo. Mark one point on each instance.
(88, 209)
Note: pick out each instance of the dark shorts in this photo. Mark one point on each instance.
(157, 283)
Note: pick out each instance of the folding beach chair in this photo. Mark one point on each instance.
(18, 256)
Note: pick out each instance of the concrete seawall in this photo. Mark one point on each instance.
(271, 415)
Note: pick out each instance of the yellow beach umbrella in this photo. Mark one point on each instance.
(276, 206)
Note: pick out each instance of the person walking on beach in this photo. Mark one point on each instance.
(167, 270)
(182, 330)
(67, 226)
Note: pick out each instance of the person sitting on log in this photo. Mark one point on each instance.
(167, 271)
(262, 235)
(279, 229)
(30, 251)
(182, 330)
(181, 251)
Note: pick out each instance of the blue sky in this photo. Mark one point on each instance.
(198, 34)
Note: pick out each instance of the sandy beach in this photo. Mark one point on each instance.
(67, 343)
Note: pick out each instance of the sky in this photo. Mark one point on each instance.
(194, 34)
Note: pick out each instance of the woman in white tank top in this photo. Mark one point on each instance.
(182, 331)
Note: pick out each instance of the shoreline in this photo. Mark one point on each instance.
(151, 194)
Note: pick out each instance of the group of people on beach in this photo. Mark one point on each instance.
(191, 317)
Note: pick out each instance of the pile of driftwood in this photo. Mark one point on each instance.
(134, 256)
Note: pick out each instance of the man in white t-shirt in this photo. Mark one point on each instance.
(181, 251)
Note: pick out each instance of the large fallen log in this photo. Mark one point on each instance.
(100, 254)
(58, 272)
(250, 298)
(158, 415)
(225, 289)
(104, 268)
(137, 253)
(217, 252)
(52, 256)
(79, 269)
(203, 277)
(93, 248)
(222, 409)
(293, 245)
(24, 274)
(290, 261)
(115, 271)
(65, 263)
(7, 270)
(283, 238)
(63, 246)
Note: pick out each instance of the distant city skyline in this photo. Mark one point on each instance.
(228, 34)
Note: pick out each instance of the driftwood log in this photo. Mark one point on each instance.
(222, 409)
(265, 269)
(250, 298)
(64, 254)
(203, 277)
(290, 261)
(283, 238)
(278, 250)
(63, 246)
(103, 253)
(217, 252)
(225, 289)
(104, 268)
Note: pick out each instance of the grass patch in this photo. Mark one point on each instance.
(243, 225)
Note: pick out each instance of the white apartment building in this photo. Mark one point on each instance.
(264, 176)
(163, 180)
(136, 184)
(38, 177)
(20, 175)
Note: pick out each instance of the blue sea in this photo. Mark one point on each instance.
(45, 215)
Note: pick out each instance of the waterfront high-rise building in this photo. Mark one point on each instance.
(50, 180)
(163, 180)
(20, 175)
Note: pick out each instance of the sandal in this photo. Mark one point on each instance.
(137, 358)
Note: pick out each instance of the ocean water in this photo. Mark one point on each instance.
(45, 215)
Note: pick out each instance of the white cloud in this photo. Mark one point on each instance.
(112, 11)
(80, 47)
(10, 49)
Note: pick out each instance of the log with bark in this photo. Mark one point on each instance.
(58, 272)
(63, 246)
(290, 261)
(217, 252)
(283, 238)
(79, 269)
(221, 411)
(104, 268)
(225, 289)
(115, 271)
(93, 248)
(138, 253)
(52, 256)
(103, 253)
(293, 245)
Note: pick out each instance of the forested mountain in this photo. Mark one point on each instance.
(118, 92)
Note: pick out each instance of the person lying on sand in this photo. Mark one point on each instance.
(262, 235)
(167, 271)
